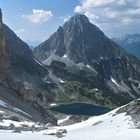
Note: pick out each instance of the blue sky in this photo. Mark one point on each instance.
(35, 20)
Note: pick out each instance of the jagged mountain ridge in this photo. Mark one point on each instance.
(130, 43)
(81, 42)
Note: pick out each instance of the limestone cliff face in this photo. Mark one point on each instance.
(4, 56)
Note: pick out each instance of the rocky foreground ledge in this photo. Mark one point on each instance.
(132, 109)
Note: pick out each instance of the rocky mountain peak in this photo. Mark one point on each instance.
(79, 18)
(81, 24)
(76, 22)
(78, 38)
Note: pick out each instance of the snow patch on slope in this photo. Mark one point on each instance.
(91, 68)
(46, 80)
(115, 82)
(61, 81)
(7, 123)
(63, 120)
(65, 56)
(4, 104)
(53, 104)
(38, 62)
(88, 66)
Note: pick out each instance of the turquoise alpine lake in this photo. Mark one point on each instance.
(80, 109)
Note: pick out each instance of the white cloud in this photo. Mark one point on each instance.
(38, 15)
(127, 21)
(31, 37)
(92, 16)
(20, 31)
(122, 2)
(134, 11)
(110, 12)
(78, 9)
(95, 3)
(65, 18)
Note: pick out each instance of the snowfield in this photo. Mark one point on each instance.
(105, 127)
(114, 81)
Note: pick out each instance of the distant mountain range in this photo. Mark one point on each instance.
(130, 43)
